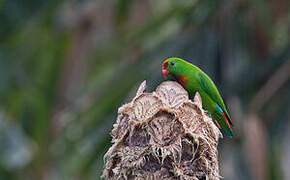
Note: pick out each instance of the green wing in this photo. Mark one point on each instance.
(209, 87)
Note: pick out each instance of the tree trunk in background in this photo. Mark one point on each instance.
(163, 135)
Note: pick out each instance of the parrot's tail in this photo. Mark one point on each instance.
(223, 121)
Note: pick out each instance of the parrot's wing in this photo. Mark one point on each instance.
(209, 87)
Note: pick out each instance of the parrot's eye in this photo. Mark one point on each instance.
(172, 63)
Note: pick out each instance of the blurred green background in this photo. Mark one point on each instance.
(67, 65)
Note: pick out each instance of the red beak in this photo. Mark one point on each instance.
(165, 72)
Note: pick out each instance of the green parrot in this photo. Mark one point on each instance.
(195, 80)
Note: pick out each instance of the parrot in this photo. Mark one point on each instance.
(193, 80)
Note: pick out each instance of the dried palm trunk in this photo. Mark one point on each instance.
(163, 135)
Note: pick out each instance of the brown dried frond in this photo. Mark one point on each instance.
(163, 135)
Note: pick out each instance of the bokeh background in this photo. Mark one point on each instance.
(67, 65)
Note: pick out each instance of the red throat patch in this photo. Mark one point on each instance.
(182, 80)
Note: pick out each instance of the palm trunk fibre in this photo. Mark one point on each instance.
(163, 135)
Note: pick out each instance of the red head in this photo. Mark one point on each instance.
(176, 67)
(165, 72)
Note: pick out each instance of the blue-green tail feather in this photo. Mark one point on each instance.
(223, 121)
